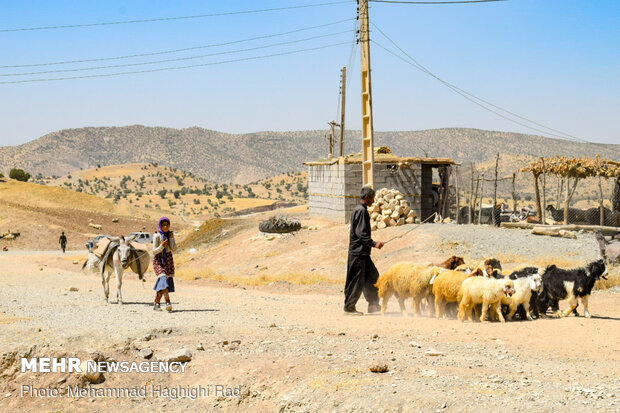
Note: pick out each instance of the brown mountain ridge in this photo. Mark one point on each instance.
(242, 158)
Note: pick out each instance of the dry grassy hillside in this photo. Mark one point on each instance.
(39, 213)
(156, 189)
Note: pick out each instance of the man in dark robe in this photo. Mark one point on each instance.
(361, 271)
(63, 241)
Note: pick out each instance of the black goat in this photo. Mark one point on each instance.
(575, 215)
(560, 284)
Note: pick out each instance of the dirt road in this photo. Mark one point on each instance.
(290, 348)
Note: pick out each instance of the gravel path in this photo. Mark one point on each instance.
(292, 351)
(481, 241)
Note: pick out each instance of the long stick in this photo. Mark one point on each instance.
(412, 229)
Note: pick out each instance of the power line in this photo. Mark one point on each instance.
(175, 50)
(352, 55)
(436, 2)
(471, 97)
(421, 67)
(173, 60)
(455, 89)
(198, 16)
(177, 67)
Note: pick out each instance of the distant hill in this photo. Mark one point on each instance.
(244, 158)
(157, 189)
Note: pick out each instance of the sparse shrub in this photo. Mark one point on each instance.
(19, 175)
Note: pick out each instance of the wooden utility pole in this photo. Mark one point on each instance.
(331, 145)
(343, 90)
(368, 155)
(331, 124)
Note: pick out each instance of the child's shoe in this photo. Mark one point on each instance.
(156, 307)
(168, 307)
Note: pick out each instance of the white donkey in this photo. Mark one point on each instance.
(119, 255)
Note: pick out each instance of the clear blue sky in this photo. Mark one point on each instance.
(556, 62)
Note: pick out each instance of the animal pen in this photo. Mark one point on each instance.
(334, 185)
(545, 191)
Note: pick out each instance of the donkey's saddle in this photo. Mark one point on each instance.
(101, 247)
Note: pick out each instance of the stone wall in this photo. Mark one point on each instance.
(334, 188)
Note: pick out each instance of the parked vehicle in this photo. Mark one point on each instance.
(91, 244)
(142, 237)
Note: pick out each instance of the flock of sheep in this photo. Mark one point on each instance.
(483, 286)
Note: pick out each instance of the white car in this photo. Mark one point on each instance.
(142, 237)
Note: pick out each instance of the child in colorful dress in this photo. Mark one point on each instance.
(163, 263)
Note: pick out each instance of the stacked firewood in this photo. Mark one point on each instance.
(390, 209)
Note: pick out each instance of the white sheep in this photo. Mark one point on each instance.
(523, 293)
(485, 291)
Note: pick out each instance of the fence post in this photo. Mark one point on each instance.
(537, 190)
(458, 198)
(470, 218)
(475, 199)
(494, 218)
(600, 202)
(481, 197)
(514, 194)
(544, 193)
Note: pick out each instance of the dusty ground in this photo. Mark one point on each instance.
(290, 348)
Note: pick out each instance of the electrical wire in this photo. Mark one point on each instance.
(199, 16)
(174, 60)
(352, 54)
(176, 67)
(474, 99)
(450, 85)
(495, 112)
(348, 66)
(175, 50)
